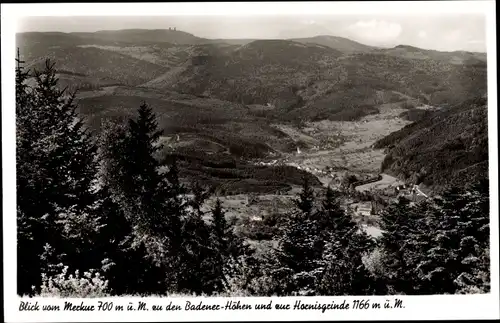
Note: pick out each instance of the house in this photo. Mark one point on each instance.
(363, 209)
(256, 218)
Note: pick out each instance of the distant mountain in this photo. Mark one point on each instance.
(235, 41)
(304, 31)
(323, 77)
(144, 35)
(339, 43)
(449, 146)
(284, 52)
(456, 57)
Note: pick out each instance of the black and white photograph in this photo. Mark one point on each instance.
(247, 155)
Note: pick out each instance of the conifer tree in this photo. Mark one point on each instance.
(305, 202)
(230, 249)
(344, 245)
(300, 247)
(220, 226)
(143, 144)
(456, 257)
(333, 219)
(56, 172)
(121, 237)
(66, 144)
(394, 223)
(128, 173)
(200, 195)
(221, 236)
(175, 210)
(418, 242)
(143, 185)
(201, 253)
(27, 247)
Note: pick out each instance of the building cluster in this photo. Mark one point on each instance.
(410, 191)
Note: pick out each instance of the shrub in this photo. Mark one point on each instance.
(373, 262)
(91, 284)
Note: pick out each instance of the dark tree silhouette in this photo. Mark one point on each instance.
(55, 178)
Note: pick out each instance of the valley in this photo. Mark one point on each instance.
(352, 154)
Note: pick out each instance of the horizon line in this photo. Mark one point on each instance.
(253, 39)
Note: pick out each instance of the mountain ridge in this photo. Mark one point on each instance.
(320, 38)
(302, 79)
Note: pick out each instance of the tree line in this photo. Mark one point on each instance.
(97, 217)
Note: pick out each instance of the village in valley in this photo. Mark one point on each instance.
(350, 165)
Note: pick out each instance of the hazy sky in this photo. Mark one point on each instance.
(440, 32)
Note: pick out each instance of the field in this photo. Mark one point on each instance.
(387, 181)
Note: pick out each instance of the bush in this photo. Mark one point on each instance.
(374, 262)
(91, 284)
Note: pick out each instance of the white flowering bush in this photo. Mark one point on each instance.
(90, 284)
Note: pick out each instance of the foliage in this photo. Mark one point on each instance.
(65, 285)
(439, 246)
(321, 250)
(346, 244)
(56, 173)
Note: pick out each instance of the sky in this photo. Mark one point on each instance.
(438, 32)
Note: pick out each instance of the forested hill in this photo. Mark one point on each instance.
(449, 146)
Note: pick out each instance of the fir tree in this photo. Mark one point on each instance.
(199, 197)
(56, 171)
(27, 247)
(344, 246)
(228, 246)
(142, 146)
(121, 237)
(220, 226)
(394, 223)
(333, 219)
(300, 247)
(220, 231)
(305, 202)
(456, 257)
(175, 209)
(201, 253)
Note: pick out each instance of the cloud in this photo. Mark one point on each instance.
(475, 41)
(376, 30)
(422, 34)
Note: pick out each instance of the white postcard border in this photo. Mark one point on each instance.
(416, 307)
